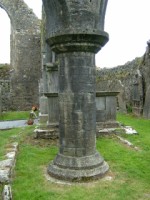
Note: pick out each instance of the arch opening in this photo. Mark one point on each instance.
(4, 37)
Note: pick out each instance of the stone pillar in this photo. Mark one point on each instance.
(50, 129)
(74, 36)
(43, 103)
(53, 111)
(106, 107)
(46, 57)
(52, 94)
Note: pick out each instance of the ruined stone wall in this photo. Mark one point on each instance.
(5, 71)
(121, 79)
(145, 71)
(132, 80)
(25, 54)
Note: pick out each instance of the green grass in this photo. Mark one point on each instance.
(129, 168)
(14, 115)
(141, 125)
(12, 135)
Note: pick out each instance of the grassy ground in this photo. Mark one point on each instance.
(129, 168)
(9, 136)
(14, 115)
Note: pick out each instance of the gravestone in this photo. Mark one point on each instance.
(137, 101)
(106, 107)
(75, 31)
(136, 107)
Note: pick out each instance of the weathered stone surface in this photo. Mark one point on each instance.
(48, 133)
(6, 166)
(43, 102)
(145, 70)
(132, 81)
(14, 146)
(11, 155)
(130, 130)
(7, 193)
(80, 174)
(43, 118)
(25, 54)
(5, 73)
(106, 107)
(126, 142)
(52, 93)
(50, 76)
(6, 163)
(146, 109)
(75, 32)
(5, 175)
(121, 79)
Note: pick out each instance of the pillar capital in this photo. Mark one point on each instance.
(78, 42)
(75, 25)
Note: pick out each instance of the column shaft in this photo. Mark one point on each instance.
(77, 104)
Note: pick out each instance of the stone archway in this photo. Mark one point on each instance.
(25, 56)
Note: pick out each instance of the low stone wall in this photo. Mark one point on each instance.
(6, 170)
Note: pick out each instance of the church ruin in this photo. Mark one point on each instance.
(25, 56)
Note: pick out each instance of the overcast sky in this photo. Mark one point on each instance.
(126, 21)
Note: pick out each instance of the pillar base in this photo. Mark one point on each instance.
(107, 124)
(78, 169)
(46, 134)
